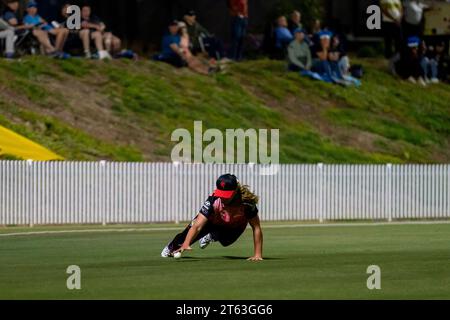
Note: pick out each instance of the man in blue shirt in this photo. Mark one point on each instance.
(282, 34)
(171, 52)
(283, 37)
(34, 19)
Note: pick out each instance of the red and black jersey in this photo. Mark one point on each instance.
(237, 214)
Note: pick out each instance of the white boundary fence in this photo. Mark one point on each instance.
(34, 193)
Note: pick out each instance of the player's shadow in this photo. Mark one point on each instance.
(196, 259)
(246, 258)
(191, 259)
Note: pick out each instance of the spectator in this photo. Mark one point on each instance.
(94, 30)
(413, 18)
(429, 64)
(338, 54)
(36, 21)
(73, 41)
(443, 60)
(316, 27)
(194, 63)
(202, 41)
(325, 63)
(283, 37)
(7, 34)
(112, 43)
(321, 64)
(171, 50)
(239, 13)
(11, 17)
(295, 22)
(314, 38)
(282, 34)
(340, 62)
(409, 66)
(299, 56)
(392, 26)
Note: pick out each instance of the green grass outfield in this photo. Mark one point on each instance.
(302, 262)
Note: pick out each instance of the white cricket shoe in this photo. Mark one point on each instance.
(166, 253)
(104, 55)
(412, 80)
(422, 82)
(206, 241)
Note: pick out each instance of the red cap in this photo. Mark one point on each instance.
(224, 194)
(226, 186)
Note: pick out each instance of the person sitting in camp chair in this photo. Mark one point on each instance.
(34, 19)
(22, 29)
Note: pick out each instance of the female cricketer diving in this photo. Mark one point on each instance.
(223, 218)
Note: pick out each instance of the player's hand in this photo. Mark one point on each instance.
(255, 258)
(183, 249)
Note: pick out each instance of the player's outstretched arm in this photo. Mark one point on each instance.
(257, 239)
(197, 226)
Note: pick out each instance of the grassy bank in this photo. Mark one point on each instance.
(126, 111)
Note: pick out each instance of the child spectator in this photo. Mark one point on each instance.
(7, 34)
(172, 52)
(239, 13)
(409, 66)
(202, 41)
(36, 21)
(11, 17)
(283, 37)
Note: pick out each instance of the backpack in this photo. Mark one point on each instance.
(357, 71)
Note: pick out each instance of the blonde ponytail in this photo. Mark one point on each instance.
(247, 196)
